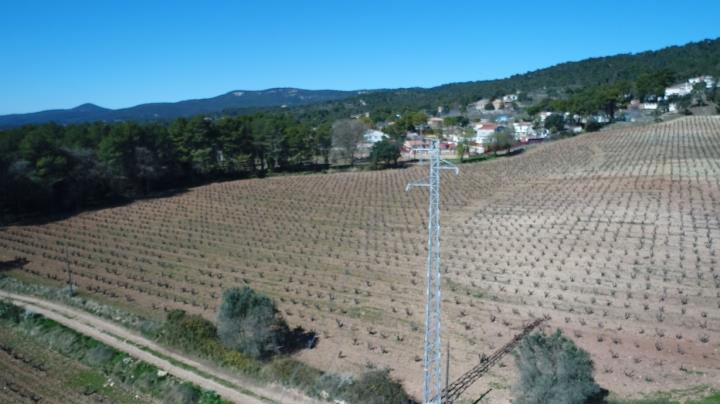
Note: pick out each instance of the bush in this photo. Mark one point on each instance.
(187, 330)
(553, 370)
(294, 374)
(249, 323)
(184, 393)
(377, 387)
(385, 152)
(9, 311)
(99, 355)
(593, 126)
(555, 123)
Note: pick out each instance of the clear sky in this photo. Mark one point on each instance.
(59, 54)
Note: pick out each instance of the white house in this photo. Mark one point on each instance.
(374, 136)
(540, 134)
(601, 118)
(485, 129)
(680, 90)
(708, 80)
(544, 114)
(509, 98)
(522, 129)
(476, 148)
(649, 106)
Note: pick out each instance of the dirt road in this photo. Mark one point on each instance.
(111, 334)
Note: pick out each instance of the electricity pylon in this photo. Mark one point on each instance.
(432, 357)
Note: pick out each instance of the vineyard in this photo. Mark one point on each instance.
(611, 236)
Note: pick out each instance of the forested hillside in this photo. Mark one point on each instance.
(684, 61)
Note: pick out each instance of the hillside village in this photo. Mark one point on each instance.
(477, 127)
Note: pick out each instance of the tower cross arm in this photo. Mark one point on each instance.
(446, 165)
(415, 184)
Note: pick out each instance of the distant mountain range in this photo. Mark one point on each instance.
(685, 61)
(234, 100)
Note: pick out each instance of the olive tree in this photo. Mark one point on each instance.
(249, 322)
(553, 370)
(346, 134)
(502, 139)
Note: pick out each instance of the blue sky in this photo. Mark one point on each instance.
(59, 54)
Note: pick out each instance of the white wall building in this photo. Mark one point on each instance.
(374, 136)
(649, 106)
(708, 80)
(483, 130)
(509, 98)
(680, 90)
(544, 114)
(522, 129)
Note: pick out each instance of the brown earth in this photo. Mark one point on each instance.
(612, 235)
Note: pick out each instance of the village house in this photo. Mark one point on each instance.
(575, 129)
(599, 118)
(435, 122)
(680, 90)
(484, 130)
(509, 98)
(476, 148)
(373, 136)
(522, 129)
(649, 106)
(544, 114)
(708, 80)
(539, 135)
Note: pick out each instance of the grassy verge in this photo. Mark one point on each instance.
(195, 336)
(108, 365)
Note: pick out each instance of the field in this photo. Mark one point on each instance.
(612, 236)
(30, 373)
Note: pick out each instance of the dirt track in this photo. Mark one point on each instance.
(148, 351)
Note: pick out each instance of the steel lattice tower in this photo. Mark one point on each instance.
(432, 359)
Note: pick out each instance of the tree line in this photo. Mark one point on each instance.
(648, 69)
(52, 168)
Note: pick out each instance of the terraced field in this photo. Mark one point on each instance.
(613, 236)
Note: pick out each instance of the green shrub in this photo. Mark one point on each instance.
(240, 362)
(375, 387)
(187, 330)
(182, 393)
(292, 373)
(9, 311)
(99, 355)
(553, 370)
(249, 322)
(593, 126)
